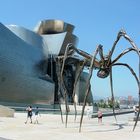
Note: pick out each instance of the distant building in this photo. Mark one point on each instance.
(28, 63)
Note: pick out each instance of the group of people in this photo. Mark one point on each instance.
(30, 114)
(37, 113)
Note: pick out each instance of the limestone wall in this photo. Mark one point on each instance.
(6, 112)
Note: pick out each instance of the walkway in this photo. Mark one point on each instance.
(51, 127)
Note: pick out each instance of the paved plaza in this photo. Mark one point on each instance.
(50, 127)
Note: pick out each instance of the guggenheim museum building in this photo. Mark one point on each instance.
(28, 64)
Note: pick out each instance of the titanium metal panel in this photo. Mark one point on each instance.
(53, 27)
(29, 37)
(57, 34)
(54, 42)
(19, 72)
(23, 61)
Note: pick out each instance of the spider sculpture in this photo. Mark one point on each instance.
(104, 67)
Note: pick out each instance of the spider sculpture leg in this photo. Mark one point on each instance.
(132, 71)
(138, 83)
(104, 71)
(133, 48)
(70, 48)
(138, 52)
(66, 103)
(120, 34)
(78, 73)
(59, 86)
(88, 86)
(87, 59)
(62, 84)
(62, 91)
(112, 94)
(61, 81)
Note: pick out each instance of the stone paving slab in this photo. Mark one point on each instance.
(50, 127)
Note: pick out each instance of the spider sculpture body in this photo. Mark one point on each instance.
(104, 67)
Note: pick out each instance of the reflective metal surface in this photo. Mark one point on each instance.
(19, 72)
(57, 34)
(28, 65)
(29, 37)
(53, 27)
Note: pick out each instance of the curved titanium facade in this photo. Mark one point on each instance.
(29, 37)
(19, 71)
(57, 34)
(27, 64)
(53, 27)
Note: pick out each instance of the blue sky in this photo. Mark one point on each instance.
(96, 22)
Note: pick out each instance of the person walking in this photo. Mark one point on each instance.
(37, 113)
(100, 115)
(29, 114)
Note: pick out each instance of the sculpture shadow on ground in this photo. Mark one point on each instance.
(4, 138)
(118, 126)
